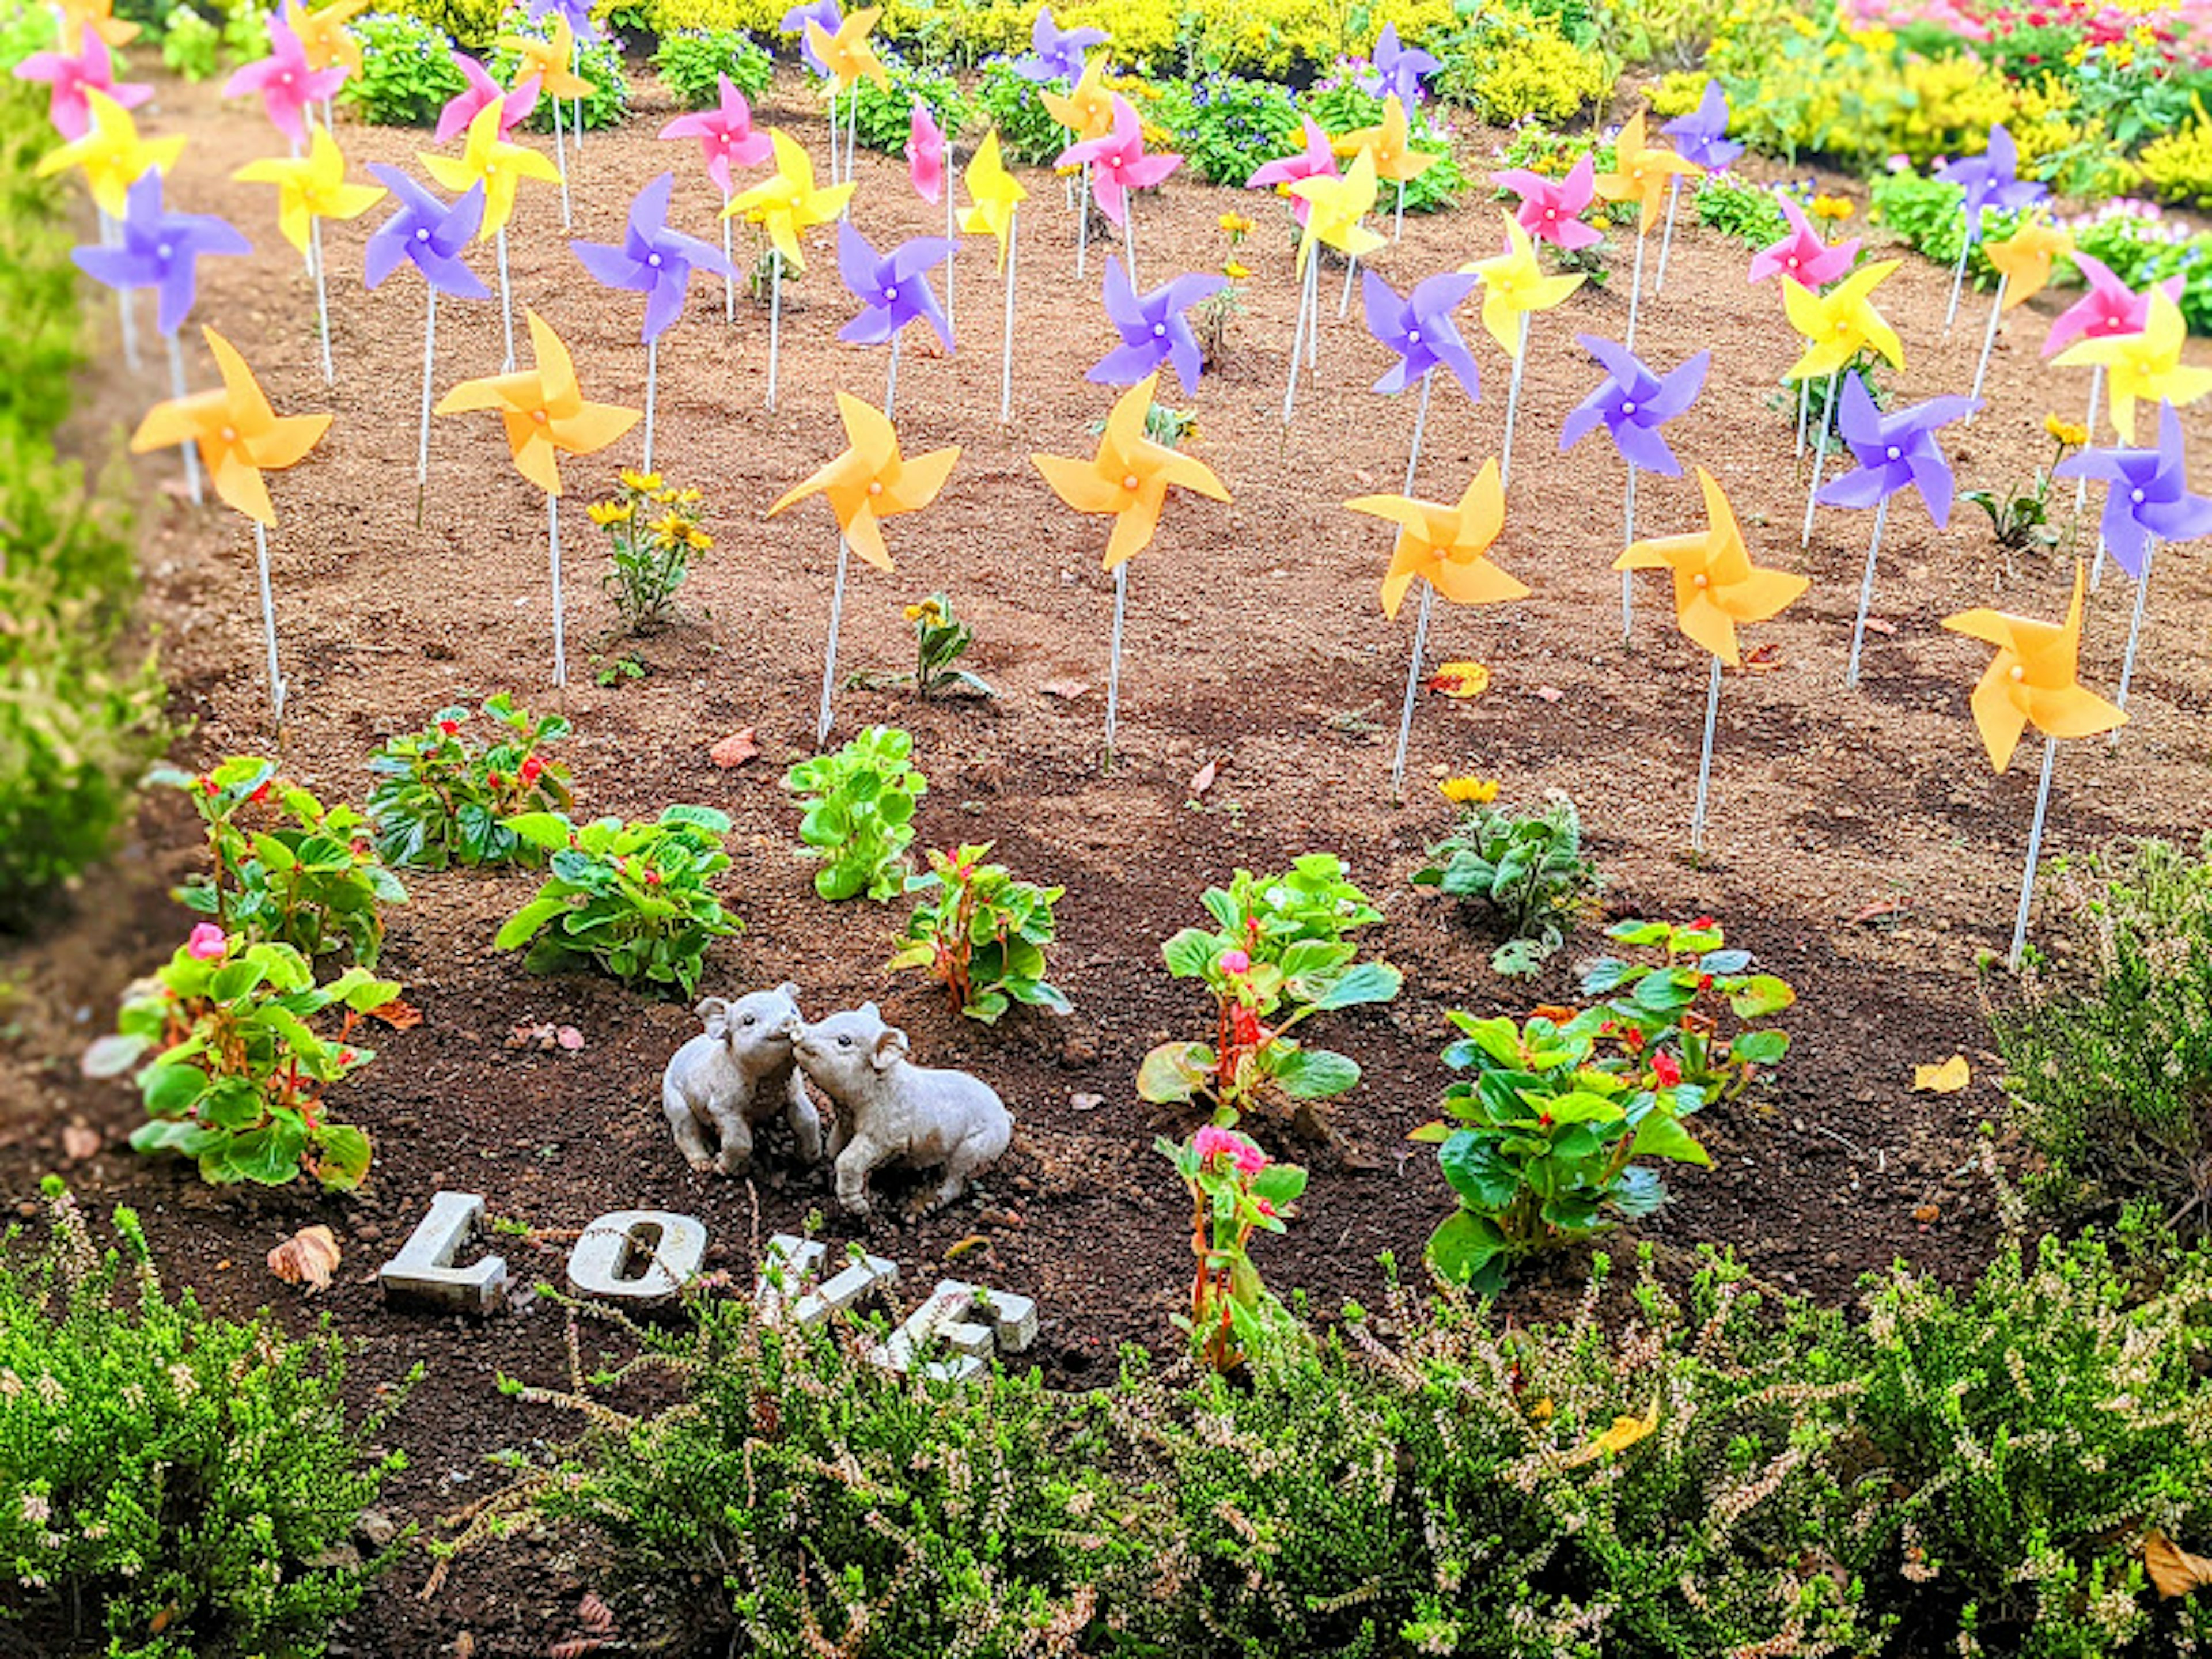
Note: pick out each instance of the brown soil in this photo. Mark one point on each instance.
(1255, 642)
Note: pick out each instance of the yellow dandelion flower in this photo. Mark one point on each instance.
(1832, 207)
(643, 483)
(2067, 434)
(669, 527)
(1235, 272)
(700, 540)
(603, 514)
(1464, 792)
(1234, 224)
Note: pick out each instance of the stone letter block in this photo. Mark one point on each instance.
(640, 1257)
(793, 1261)
(423, 1271)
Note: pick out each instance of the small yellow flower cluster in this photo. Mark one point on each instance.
(931, 611)
(1470, 792)
(677, 525)
(1833, 208)
(2067, 435)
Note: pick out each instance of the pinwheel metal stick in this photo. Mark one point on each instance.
(561, 161)
(2034, 851)
(429, 370)
(775, 320)
(1666, 236)
(1866, 591)
(1306, 299)
(827, 717)
(1819, 456)
(1512, 406)
(1628, 577)
(1959, 273)
(553, 555)
(506, 304)
(1006, 347)
(177, 390)
(1989, 338)
(1129, 242)
(277, 685)
(1083, 222)
(1705, 760)
(1351, 270)
(110, 235)
(2082, 484)
(1421, 622)
(1635, 294)
(1398, 218)
(2134, 631)
(652, 391)
(322, 298)
(1804, 412)
(1113, 658)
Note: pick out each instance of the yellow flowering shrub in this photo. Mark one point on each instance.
(1270, 39)
(757, 17)
(1525, 69)
(2178, 165)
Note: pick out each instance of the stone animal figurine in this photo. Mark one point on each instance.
(890, 1111)
(725, 1082)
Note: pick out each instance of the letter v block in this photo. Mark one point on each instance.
(793, 1261)
(642, 1258)
(423, 1271)
(1007, 1322)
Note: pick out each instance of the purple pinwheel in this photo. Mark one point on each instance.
(1419, 329)
(161, 250)
(892, 290)
(427, 233)
(1702, 134)
(1632, 403)
(577, 12)
(795, 21)
(1396, 70)
(652, 260)
(2110, 306)
(1316, 161)
(68, 79)
(1895, 450)
(1991, 180)
(466, 105)
(1800, 255)
(285, 82)
(2147, 494)
(1055, 53)
(1153, 328)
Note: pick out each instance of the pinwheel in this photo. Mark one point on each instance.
(1419, 329)
(2110, 307)
(1117, 165)
(2022, 261)
(239, 437)
(727, 139)
(847, 59)
(1990, 180)
(2031, 682)
(1448, 548)
(429, 235)
(1804, 257)
(489, 159)
(1085, 111)
(1154, 330)
(324, 38)
(824, 12)
(577, 15)
(1317, 159)
(285, 83)
(2147, 500)
(1632, 404)
(1512, 289)
(68, 79)
(1701, 139)
(99, 16)
(1892, 451)
(998, 198)
(547, 417)
(1715, 587)
(309, 190)
(1838, 326)
(112, 158)
(1396, 70)
(925, 169)
(870, 481)
(893, 290)
(1390, 142)
(550, 60)
(1129, 478)
(1055, 53)
(1336, 211)
(786, 205)
(460, 111)
(2146, 365)
(162, 251)
(657, 262)
(1552, 210)
(1642, 174)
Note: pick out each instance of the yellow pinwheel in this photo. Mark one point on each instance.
(2032, 679)
(996, 192)
(545, 409)
(98, 15)
(238, 434)
(1640, 174)
(1086, 109)
(489, 159)
(1513, 286)
(111, 155)
(1448, 546)
(310, 187)
(1716, 584)
(2024, 259)
(786, 203)
(2145, 367)
(1390, 143)
(1841, 323)
(846, 54)
(1336, 209)
(871, 481)
(324, 40)
(551, 61)
(1129, 476)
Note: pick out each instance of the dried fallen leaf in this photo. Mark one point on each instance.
(79, 1143)
(1878, 908)
(569, 1038)
(1202, 780)
(1550, 693)
(595, 1615)
(1927, 1215)
(1947, 1079)
(1876, 625)
(306, 1258)
(464, 1646)
(1459, 680)
(972, 1243)
(1085, 1102)
(399, 1016)
(2174, 1570)
(1066, 690)
(735, 749)
(1624, 1433)
(1766, 658)
(162, 1620)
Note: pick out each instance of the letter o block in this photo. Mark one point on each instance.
(641, 1258)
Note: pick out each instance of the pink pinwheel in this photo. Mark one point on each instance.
(1118, 162)
(464, 107)
(925, 154)
(286, 84)
(1802, 256)
(1551, 209)
(1316, 161)
(69, 78)
(2110, 306)
(1153, 329)
(726, 135)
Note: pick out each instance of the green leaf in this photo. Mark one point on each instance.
(1760, 995)
(270, 1156)
(525, 924)
(1370, 981)
(1482, 1180)
(342, 1156)
(1280, 1184)
(1175, 1072)
(1579, 1106)
(1465, 1246)
(1760, 1048)
(114, 1055)
(170, 1090)
(549, 831)
(1191, 952)
(1311, 1073)
(1662, 1134)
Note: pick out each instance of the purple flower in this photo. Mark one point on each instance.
(891, 289)
(1153, 328)
(1419, 329)
(652, 260)
(1895, 450)
(1632, 403)
(427, 233)
(2146, 494)
(160, 251)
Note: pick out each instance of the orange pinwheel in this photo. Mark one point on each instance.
(239, 437)
(98, 15)
(1716, 584)
(846, 54)
(551, 61)
(1640, 174)
(1087, 108)
(1388, 142)
(1447, 546)
(2031, 681)
(872, 481)
(545, 411)
(324, 40)
(1128, 477)
(2025, 257)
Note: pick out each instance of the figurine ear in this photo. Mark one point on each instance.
(890, 1047)
(715, 1013)
(789, 989)
(869, 1011)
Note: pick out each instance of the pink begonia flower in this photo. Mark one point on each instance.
(1316, 161)
(209, 942)
(925, 154)
(1551, 209)
(1213, 1143)
(726, 135)
(1802, 256)
(286, 83)
(70, 78)
(1235, 962)
(2110, 306)
(464, 107)
(1118, 162)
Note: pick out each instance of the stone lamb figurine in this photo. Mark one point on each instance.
(890, 1111)
(734, 1078)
